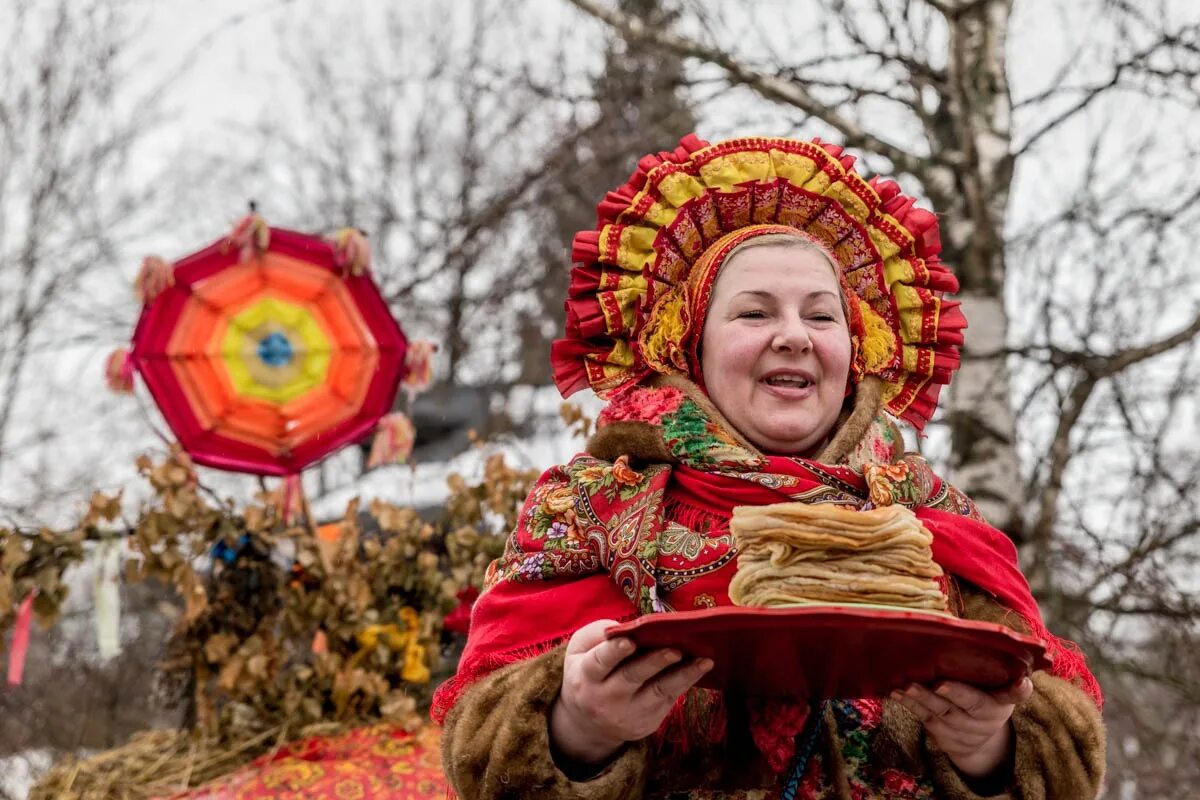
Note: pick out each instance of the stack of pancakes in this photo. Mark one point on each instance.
(795, 553)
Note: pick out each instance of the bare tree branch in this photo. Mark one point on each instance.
(953, 11)
(1089, 95)
(769, 86)
(1094, 369)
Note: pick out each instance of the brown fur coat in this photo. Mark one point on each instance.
(496, 740)
(496, 745)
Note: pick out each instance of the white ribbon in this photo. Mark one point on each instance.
(108, 597)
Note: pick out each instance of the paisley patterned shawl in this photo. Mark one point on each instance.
(602, 540)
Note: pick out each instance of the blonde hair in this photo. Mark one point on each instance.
(798, 241)
(780, 240)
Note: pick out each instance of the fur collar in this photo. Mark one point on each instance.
(670, 421)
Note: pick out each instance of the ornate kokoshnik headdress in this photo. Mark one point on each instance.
(640, 287)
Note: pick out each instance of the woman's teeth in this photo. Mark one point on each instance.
(788, 380)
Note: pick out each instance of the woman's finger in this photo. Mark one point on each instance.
(595, 654)
(1016, 694)
(973, 702)
(933, 711)
(598, 663)
(645, 666)
(939, 707)
(955, 741)
(918, 710)
(589, 636)
(674, 682)
(979, 704)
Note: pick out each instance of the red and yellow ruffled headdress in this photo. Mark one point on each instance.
(640, 287)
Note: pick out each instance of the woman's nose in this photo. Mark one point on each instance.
(791, 335)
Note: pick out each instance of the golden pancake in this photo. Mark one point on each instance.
(791, 553)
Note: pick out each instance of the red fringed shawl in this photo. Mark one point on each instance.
(598, 540)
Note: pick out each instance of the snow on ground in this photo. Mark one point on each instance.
(18, 772)
(424, 485)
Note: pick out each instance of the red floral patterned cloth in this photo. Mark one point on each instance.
(368, 763)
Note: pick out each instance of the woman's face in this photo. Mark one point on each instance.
(776, 347)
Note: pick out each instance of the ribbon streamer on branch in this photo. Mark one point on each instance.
(20, 640)
(108, 598)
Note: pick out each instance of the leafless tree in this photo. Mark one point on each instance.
(1108, 379)
(1054, 140)
(67, 199)
(635, 101)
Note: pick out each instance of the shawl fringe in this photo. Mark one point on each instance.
(456, 686)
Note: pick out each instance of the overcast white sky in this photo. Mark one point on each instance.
(224, 56)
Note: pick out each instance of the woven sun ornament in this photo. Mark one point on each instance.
(267, 350)
(643, 271)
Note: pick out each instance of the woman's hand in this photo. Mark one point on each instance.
(969, 725)
(612, 694)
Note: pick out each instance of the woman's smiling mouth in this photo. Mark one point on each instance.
(788, 383)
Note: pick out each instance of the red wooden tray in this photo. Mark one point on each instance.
(838, 650)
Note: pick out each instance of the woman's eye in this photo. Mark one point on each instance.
(754, 314)
(823, 318)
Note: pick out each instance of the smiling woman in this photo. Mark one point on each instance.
(757, 315)
(775, 351)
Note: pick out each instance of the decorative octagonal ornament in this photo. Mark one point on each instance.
(268, 349)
